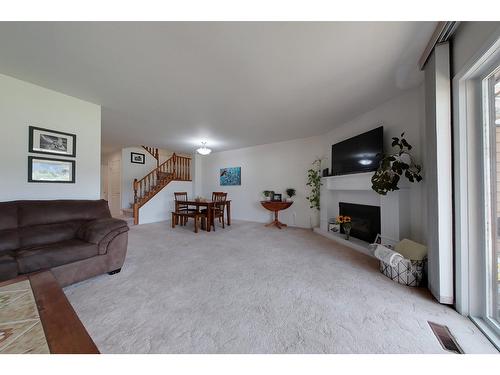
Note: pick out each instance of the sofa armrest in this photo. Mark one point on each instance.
(102, 231)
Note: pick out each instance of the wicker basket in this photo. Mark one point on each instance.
(404, 273)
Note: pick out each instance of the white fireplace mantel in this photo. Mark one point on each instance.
(357, 188)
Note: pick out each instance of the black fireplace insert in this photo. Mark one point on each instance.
(365, 220)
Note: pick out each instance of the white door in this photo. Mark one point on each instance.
(115, 188)
(104, 181)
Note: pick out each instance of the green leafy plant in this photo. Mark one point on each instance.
(314, 181)
(268, 193)
(290, 192)
(393, 166)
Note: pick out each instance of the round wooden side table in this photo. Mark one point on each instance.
(275, 207)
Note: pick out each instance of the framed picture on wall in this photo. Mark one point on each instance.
(230, 176)
(51, 170)
(137, 158)
(277, 197)
(46, 141)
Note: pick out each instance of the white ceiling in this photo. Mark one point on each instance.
(235, 84)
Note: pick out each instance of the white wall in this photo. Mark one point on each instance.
(275, 166)
(439, 176)
(23, 104)
(405, 113)
(160, 207)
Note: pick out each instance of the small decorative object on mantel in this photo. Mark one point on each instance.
(46, 141)
(346, 223)
(393, 166)
(137, 158)
(291, 193)
(314, 181)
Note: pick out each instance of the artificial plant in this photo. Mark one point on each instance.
(393, 166)
(290, 192)
(314, 181)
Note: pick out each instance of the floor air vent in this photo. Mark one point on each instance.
(445, 338)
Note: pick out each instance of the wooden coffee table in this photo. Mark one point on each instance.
(36, 317)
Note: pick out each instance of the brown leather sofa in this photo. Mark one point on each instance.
(76, 239)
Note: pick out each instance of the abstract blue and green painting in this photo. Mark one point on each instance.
(230, 176)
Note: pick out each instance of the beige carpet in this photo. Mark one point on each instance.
(251, 289)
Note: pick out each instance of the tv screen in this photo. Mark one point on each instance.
(358, 154)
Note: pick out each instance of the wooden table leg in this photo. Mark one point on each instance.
(276, 222)
(228, 212)
(209, 218)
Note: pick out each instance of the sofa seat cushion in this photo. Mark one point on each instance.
(8, 267)
(41, 235)
(56, 254)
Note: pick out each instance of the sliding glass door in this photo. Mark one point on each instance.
(476, 138)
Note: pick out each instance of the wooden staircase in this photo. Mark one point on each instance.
(177, 168)
(155, 152)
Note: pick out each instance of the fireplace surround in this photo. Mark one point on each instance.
(356, 188)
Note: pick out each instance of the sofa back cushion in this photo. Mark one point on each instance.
(34, 223)
(60, 211)
(9, 235)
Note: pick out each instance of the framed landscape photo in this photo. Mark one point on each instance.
(230, 176)
(51, 170)
(137, 158)
(46, 141)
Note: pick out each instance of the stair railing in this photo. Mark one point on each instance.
(175, 168)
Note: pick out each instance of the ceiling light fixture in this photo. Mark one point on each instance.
(203, 150)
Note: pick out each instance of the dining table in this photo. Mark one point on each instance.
(208, 205)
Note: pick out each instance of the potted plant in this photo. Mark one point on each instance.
(314, 182)
(346, 223)
(291, 193)
(393, 166)
(267, 194)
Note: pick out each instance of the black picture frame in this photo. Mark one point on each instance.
(30, 170)
(277, 197)
(32, 149)
(143, 157)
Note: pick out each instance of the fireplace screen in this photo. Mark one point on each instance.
(365, 220)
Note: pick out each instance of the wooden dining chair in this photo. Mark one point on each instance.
(219, 199)
(181, 196)
(216, 193)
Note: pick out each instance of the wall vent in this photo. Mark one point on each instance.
(445, 338)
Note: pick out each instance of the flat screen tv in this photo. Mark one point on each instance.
(358, 154)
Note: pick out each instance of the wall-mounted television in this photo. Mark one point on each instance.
(358, 154)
